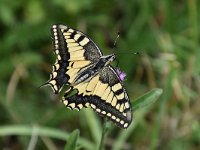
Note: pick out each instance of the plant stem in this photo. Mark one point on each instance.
(104, 131)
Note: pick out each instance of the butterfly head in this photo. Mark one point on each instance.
(109, 58)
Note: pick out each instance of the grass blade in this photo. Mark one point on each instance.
(22, 130)
(72, 140)
(94, 125)
(146, 99)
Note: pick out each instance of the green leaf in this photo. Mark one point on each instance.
(168, 91)
(146, 99)
(72, 141)
(94, 124)
(105, 129)
(22, 130)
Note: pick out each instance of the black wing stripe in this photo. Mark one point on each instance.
(100, 106)
(80, 38)
(119, 91)
(58, 77)
(73, 35)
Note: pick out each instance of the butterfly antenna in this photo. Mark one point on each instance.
(114, 45)
(118, 33)
(135, 53)
(117, 53)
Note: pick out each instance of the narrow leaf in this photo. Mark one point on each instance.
(22, 130)
(147, 99)
(94, 125)
(72, 141)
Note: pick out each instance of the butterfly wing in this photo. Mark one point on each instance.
(106, 95)
(74, 51)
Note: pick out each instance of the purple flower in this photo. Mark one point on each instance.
(121, 74)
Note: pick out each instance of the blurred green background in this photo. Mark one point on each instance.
(164, 32)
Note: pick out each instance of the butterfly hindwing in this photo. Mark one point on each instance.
(106, 95)
(74, 52)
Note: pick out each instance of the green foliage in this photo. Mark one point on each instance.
(44, 131)
(146, 99)
(166, 35)
(72, 140)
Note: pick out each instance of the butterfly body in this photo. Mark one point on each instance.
(94, 69)
(81, 65)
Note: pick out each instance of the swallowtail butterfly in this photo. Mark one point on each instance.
(81, 65)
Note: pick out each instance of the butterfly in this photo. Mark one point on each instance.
(81, 65)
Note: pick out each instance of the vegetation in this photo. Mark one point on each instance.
(165, 33)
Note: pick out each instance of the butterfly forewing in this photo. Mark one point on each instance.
(74, 52)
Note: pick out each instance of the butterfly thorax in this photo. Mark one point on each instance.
(93, 69)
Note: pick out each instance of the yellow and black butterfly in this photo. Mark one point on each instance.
(81, 65)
